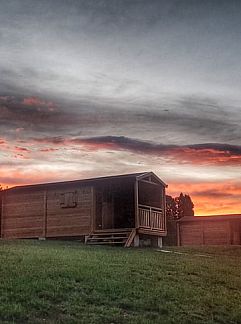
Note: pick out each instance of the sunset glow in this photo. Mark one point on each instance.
(94, 89)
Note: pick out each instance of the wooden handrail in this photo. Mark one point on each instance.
(150, 207)
(151, 218)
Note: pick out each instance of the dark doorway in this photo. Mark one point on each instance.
(115, 206)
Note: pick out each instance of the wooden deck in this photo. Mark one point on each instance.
(151, 222)
(151, 218)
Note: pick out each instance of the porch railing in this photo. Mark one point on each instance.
(151, 218)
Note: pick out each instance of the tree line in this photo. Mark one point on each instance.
(177, 207)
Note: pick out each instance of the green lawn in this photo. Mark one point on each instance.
(66, 282)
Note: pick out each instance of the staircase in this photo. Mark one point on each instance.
(121, 237)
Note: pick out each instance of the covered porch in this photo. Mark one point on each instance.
(151, 205)
(129, 209)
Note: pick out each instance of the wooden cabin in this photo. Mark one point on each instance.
(120, 209)
(209, 230)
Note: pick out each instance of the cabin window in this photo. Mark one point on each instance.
(68, 199)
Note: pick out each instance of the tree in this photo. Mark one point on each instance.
(171, 207)
(179, 206)
(184, 205)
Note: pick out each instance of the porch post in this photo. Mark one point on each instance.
(164, 208)
(136, 205)
(156, 241)
(159, 242)
(136, 241)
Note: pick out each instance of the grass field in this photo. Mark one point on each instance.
(66, 282)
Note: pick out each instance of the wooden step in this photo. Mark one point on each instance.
(107, 243)
(113, 230)
(111, 233)
(107, 238)
(111, 237)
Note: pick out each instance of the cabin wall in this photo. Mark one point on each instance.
(221, 232)
(79, 207)
(22, 214)
(47, 212)
(70, 215)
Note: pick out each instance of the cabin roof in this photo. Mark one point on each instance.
(137, 176)
(210, 218)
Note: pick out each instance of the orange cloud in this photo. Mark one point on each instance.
(211, 198)
(22, 149)
(10, 178)
(34, 101)
(205, 156)
(199, 154)
(213, 154)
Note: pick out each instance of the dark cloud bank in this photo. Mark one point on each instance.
(207, 153)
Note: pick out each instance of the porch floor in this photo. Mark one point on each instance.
(113, 230)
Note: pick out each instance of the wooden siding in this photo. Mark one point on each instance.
(191, 234)
(210, 232)
(216, 233)
(22, 214)
(69, 221)
(236, 232)
(29, 213)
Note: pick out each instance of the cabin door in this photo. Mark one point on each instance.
(107, 215)
(104, 210)
(107, 209)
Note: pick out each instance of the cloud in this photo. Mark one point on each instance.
(186, 168)
(34, 101)
(211, 198)
(162, 89)
(178, 120)
(12, 178)
(22, 149)
(4, 98)
(26, 115)
(47, 150)
(207, 153)
(215, 154)
(56, 140)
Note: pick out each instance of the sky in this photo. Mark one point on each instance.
(98, 87)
